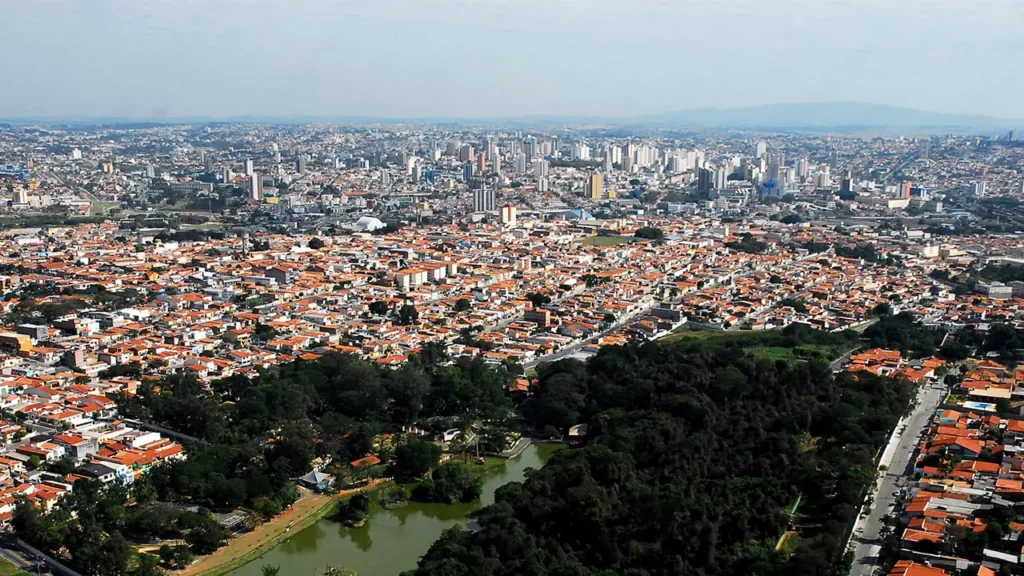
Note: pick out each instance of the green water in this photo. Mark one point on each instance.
(391, 540)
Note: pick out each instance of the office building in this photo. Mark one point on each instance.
(761, 149)
(300, 164)
(595, 186)
(467, 171)
(255, 187)
(508, 215)
(483, 200)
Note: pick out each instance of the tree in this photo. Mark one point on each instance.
(463, 304)
(450, 483)
(408, 315)
(649, 233)
(378, 308)
(33, 462)
(147, 565)
(268, 570)
(316, 243)
(415, 458)
(356, 509)
(206, 536)
(538, 299)
(791, 219)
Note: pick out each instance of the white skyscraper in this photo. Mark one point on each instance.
(979, 188)
(76, 154)
(483, 200)
(520, 163)
(542, 185)
(150, 171)
(249, 170)
(540, 168)
(761, 150)
(255, 187)
(581, 151)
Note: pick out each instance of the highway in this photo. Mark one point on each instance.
(899, 458)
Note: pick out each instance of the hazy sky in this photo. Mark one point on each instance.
(503, 58)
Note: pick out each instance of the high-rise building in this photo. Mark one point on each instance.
(483, 200)
(705, 180)
(466, 153)
(979, 188)
(608, 161)
(540, 168)
(249, 170)
(467, 171)
(721, 178)
(580, 151)
(150, 171)
(542, 185)
(520, 167)
(761, 149)
(76, 154)
(530, 147)
(595, 186)
(385, 180)
(21, 195)
(802, 168)
(300, 164)
(255, 187)
(508, 215)
(1009, 136)
(416, 173)
(496, 162)
(903, 190)
(481, 163)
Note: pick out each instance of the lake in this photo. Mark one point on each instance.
(391, 540)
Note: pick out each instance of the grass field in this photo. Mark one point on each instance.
(604, 240)
(763, 344)
(9, 569)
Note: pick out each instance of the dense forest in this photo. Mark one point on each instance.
(695, 459)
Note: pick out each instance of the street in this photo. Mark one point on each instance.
(898, 457)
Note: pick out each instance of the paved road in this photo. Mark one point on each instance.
(867, 531)
(23, 561)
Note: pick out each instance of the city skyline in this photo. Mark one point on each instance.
(495, 59)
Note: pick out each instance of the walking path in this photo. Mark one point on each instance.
(307, 509)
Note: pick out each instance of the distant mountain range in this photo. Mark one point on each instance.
(849, 115)
(823, 116)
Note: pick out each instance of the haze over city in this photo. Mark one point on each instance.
(501, 58)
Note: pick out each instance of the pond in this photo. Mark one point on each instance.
(391, 540)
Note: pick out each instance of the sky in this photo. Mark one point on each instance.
(163, 59)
